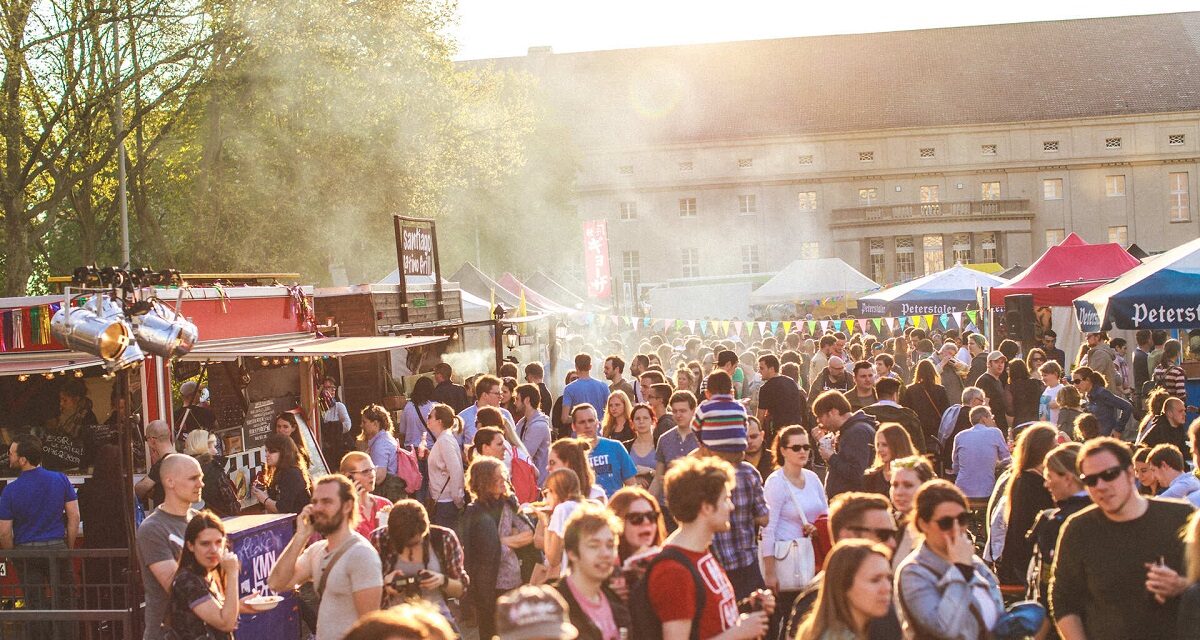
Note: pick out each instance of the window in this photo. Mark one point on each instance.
(1050, 146)
(1175, 139)
(685, 166)
(747, 204)
(808, 200)
(806, 159)
(929, 193)
(810, 250)
(1114, 186)
(988, 149)
(866, 156)
(631, 267)
(691, 262)
(927, 152)
(628, 210)
(989, 191)
(878, 261)
(1180, 208)
(867, 197)
(745, 163)
(935, 259)
(905, 260)
(1119, 235)
(1052, 189)
(962, 248)
(1112, 143)
(687, 207)
(625, 169)
(987, 247)
(749, 258)
(1054, 237)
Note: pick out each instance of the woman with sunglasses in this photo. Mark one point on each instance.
(641, 537)
(908, 475)
(944, 591)
(891, 442)
(795, 498)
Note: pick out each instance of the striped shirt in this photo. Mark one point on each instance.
(720, 423)
(1173, 379)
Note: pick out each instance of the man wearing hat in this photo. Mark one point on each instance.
(720, 427)
(533, 613)
(993, 388)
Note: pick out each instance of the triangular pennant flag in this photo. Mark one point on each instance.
(837, 325)
(971, 316)
(945, 320)
(824, 326)
(774, 326)
(725, 327)
(704, 327)
(762, 327)
(736, 327)
(850, 325)
(929, 321)
(646, 322)
(629, 321)
(691, 325)
(812, 326)
(891, 323)
(958, 319)
(878, 322)
(668, 323)
(679, 325)
(915, 320)
(903, 321)
(787, 326)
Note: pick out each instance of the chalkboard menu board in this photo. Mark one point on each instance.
(260, 420)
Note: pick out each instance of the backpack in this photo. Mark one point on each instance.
(408, 470)
(645, 621)
(224, 502)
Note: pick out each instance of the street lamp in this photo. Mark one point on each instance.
(510, 337)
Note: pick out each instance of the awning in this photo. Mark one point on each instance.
(49, 362)
(305, 345)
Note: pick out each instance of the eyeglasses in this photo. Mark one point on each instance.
(947, 522)
(880, 535)
(1076, 380)
(641, 517)
(1108, 475)
(797, 447)
(362, 471)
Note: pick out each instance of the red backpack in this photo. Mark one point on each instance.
(408, 470)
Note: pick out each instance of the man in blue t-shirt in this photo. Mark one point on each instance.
(610, 461)
(32, 510)
(585, 389)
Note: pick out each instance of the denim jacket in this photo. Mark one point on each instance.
(935, 601)
(1111, 411)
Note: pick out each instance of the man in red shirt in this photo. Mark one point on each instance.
(698, 492)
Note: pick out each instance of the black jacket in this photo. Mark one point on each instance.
(588, 629)
(903, 416)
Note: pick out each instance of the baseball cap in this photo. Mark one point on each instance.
(187, 389)
(996, 355)
(533, 613)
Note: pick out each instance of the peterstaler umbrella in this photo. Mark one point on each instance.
(1162, 293)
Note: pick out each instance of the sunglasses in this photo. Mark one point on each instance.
(880, 535)
(641, 517)
(1108, 475)
(946, 523)
(797, 447)
(1076, 380)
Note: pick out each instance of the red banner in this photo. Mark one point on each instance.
(595, 256)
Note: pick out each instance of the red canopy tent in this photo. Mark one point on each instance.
(1091, 265)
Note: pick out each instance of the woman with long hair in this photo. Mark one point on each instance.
(936, 599)
(446, 481)
(927, 397)
(1146, 478)
(380, 444)
(1035, 358)
(287, 487)
(287, 424)
(1070, 407)
(562, 497)
(1062, 481)
(1026, 496)
(642, 447)
(571, 453)
(203, 594)
(891, 442)
(508, 395)
(644, 528)
(1150, 431)
(1026, 392)
(685, 380)
(618, 417)
(412, 420)
(202, 446)
(908, 475)
(410, 546)
(795, 500)
(856, 588)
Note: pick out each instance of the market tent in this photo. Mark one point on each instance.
(510, 282)
(1011, 272)
(1163, 293)
(470, 279)
(1067, 271)
(948, 291)
(560, 294)
(991, 268)
(805, 280)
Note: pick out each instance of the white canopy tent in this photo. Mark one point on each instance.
(806, 280)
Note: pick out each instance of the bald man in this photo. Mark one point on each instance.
(160, 536)
(158, 438)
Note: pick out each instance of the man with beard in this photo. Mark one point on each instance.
(832, 377)
(344, 566)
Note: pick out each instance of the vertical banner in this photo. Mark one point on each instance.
(595, 256)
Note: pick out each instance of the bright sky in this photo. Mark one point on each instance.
(504, 28)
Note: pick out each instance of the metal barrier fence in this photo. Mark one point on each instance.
(52, 593)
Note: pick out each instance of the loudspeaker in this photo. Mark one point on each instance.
(1020, 320)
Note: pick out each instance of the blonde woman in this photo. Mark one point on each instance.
(618, 417)
(908, 474)
(202, 446)
(856, 588)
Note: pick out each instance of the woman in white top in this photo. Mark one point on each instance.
(446, 483)
(562, 497)
(571, 453)
(796, 499)
(1051, 373)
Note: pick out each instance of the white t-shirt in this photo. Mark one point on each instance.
(785, 523)
(558, 523)
(1044, 410)
(359, 568)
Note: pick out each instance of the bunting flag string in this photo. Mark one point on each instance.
(36, 321)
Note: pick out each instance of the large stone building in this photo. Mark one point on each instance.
(900, 153)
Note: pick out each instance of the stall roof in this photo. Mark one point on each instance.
(810, 279)
(1066, 272)
(1162, 293)
(305, 345)
(510, 282)
(46, 362)
(954, 287)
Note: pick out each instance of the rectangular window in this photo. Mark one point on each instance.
(1114, 186)
(866, 156)
(935, 259)
(631, 267)
(749, 258)
(962, 248)
(685, 166)
(927, 152)
(988, 149)
(989, 190)
(808, 200)
(1119, 235)
(929, 193)
(691, 262)
(810, 250)
(687, 207)
(1175, 139)
(806, 159)
(745, 163)
(1181, 210)
(627, 210)
(625, 170)
(747, 204)
(1054, 237)
(987, 247)
(1052, 189)
(868, 197)
(1112, 143)
(878, 261)
(906, 265)
(1050, 146)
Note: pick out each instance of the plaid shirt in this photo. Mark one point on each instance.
(441, 541)
(738, 547)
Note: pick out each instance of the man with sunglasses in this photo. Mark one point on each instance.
(1117, 567)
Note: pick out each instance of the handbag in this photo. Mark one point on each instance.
(795, 560)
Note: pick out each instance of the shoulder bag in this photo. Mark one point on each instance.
(795, 560)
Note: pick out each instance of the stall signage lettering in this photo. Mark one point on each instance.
(1143, 313)
(420, 303)
(417, 251)
(595, 251)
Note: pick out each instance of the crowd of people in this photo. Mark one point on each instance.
(817, 487)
